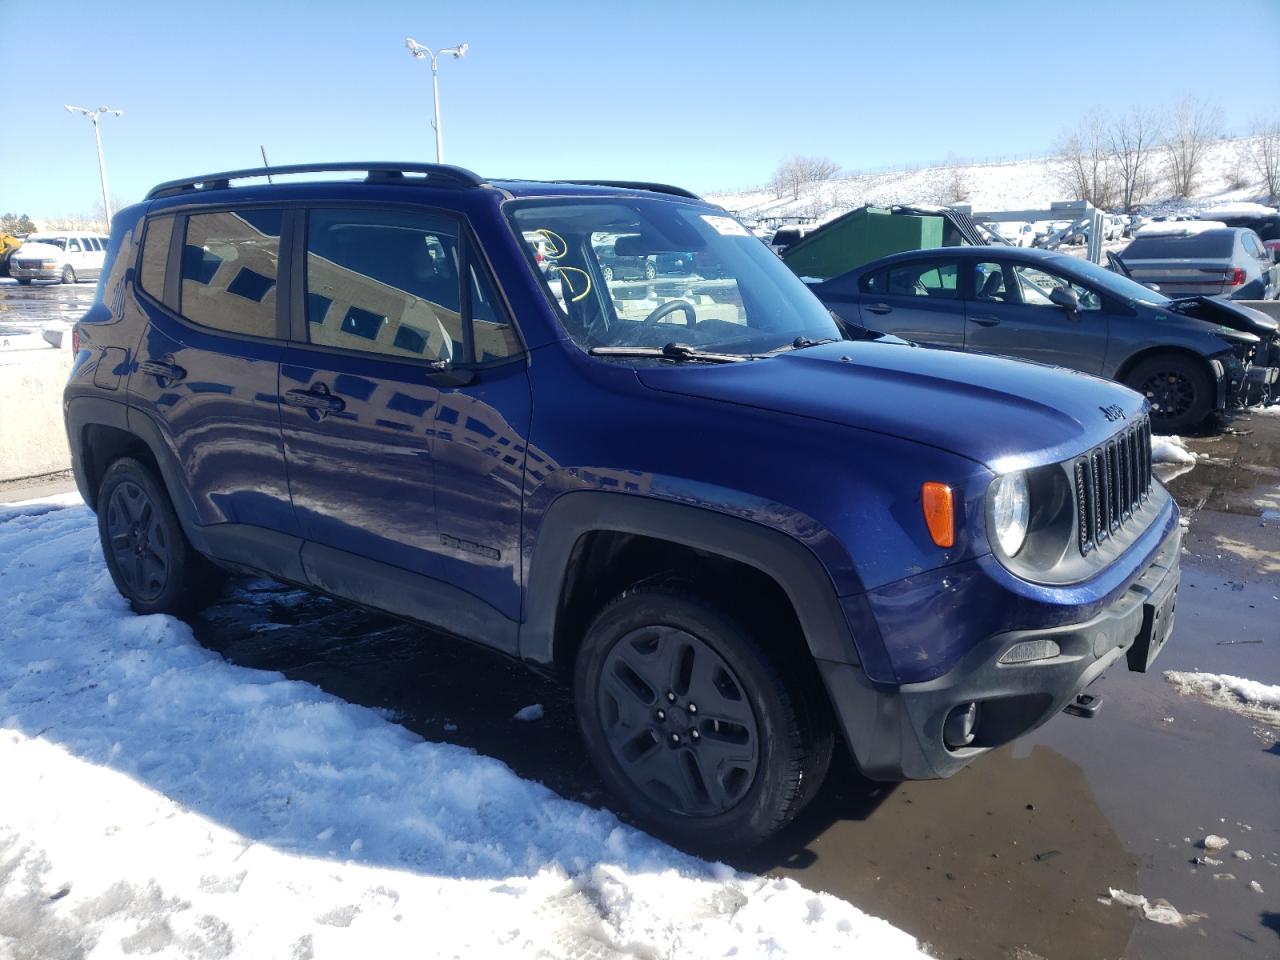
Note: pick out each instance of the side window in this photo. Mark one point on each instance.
(155, 255)
(990, 284)
(1251, 245)
(1035, 285)
(229, 264)
(73, 245)
(384, 282)
(494, 335)
(930, 279)
(92, 244)
(874, 282)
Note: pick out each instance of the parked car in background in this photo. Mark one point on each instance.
(1186, 357)
(740, 538)
(1203, 257)
(674, 263)
(1016, 233)
(67, 257)
(1115, 225)
(784, 237)
(1265, 225)
(616, 266)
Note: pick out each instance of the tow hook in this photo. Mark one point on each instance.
(1084, 705)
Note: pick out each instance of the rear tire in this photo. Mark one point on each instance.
(1178, 388)
(718, 776)
(150, 559)
(650, 270)
(68, 274)
(608, 274)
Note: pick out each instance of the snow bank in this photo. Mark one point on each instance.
(157, 799)
(1259, 701)
(1170, 450)
(1157, 911)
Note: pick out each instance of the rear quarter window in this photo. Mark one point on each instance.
(155, 256)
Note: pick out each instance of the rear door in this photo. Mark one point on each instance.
(916, 300)
(1009, 312)
(207, 372)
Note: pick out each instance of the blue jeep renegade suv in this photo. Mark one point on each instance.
(738, 529)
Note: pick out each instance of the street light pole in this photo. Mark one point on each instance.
(93, 116)
(419, 52)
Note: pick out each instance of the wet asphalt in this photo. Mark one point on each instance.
(1008, 859)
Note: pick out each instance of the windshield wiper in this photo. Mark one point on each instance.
(672, 351)
(801, 342)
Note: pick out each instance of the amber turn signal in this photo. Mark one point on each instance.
(939, 513)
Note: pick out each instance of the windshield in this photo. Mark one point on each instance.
(637, 272)
(1111, 281)
(59, 242)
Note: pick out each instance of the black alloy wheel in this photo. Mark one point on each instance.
(677, 721)
(1178, 389)
(149, 557)
(138, 541)
(707, 735)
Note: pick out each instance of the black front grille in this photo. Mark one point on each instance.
(1112, 480)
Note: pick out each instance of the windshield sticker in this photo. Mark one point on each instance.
(725, 226)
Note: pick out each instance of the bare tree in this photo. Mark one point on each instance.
(1193, 126)
(1265, 153)
(792, 174)
(955, 186)
(1088, 170)
(1132, 140)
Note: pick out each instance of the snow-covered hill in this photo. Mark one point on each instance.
(990, 186)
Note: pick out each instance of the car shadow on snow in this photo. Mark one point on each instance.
(451, 691)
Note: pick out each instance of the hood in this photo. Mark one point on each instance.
(35, 249)
(1224, 313)
(1002, 413)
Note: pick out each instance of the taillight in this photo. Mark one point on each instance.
(1235, 277)
(75, 339)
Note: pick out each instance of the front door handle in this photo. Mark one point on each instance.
(164, 372)
(318, 399)
(880, 308)
(986, 320)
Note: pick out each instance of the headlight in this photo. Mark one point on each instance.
(1010, 511)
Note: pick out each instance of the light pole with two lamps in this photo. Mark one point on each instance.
(420, 52)
(93, 116)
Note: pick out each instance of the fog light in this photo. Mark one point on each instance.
(1030, 650)
(958, 730)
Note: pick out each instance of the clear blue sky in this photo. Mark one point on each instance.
(703, 93)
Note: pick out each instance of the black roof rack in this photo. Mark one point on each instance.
(437, 174)
(636, 185)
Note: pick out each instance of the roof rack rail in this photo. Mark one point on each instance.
(637, 185)
(437, 174)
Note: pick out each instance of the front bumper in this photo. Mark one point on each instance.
(34, 273)
(896, 733)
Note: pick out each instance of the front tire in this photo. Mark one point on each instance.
(1178, 388)
(608, 274)
(650, 270)
(151, 562)
(68, 274)
(694, 726)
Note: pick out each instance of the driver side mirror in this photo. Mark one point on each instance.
(1066, 298)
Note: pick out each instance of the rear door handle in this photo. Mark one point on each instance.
(319, 399)
(986, 321)
(166, 373)
(880, 308)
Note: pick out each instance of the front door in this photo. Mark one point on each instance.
(1009, 313)
(359, 384)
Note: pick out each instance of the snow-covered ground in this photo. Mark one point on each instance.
(1259, 701)
(156, 799)
(1023, 184)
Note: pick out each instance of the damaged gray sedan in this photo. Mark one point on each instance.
(1189, 356)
